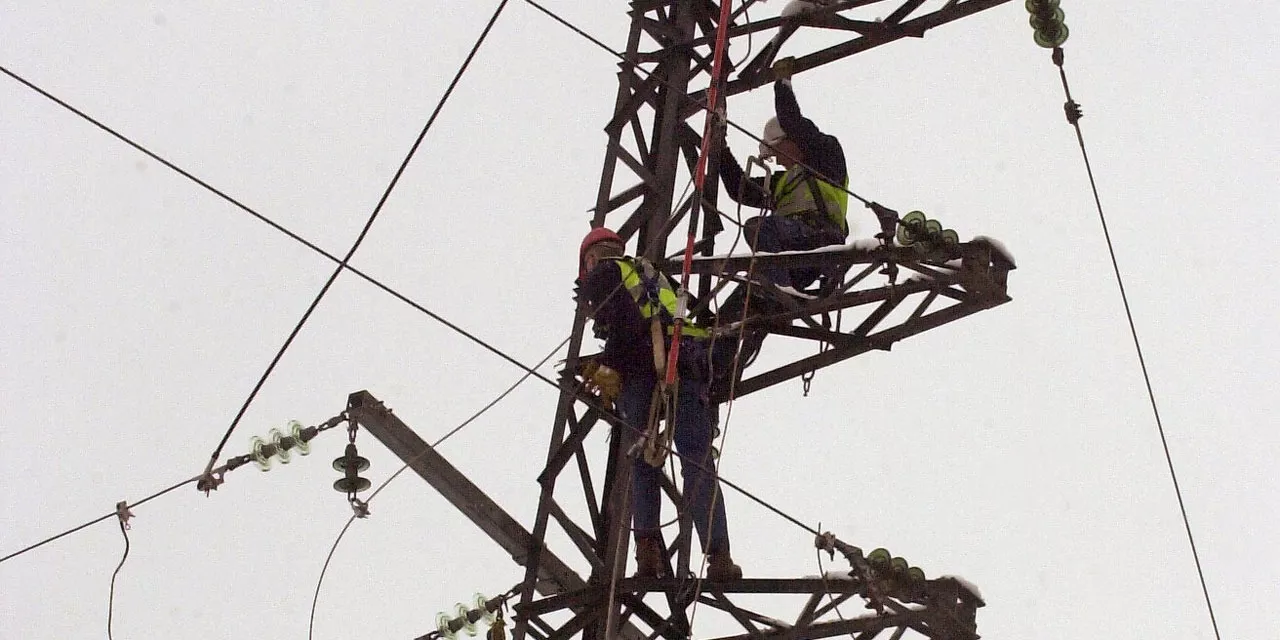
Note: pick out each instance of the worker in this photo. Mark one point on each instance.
(808, 200)
(624, 296)
(807, 204)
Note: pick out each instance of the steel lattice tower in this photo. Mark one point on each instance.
(662, 84)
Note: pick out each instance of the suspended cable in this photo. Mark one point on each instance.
(97, 520)
(473, 417)
(1074, 114)
(122, 511)
(316, 598)
(363, 232)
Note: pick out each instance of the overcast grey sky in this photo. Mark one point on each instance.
(1016, 448)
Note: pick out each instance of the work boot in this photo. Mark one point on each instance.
(650, 558)
(720, 568)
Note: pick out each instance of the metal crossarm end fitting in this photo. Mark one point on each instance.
(888, 221)
(213, 478)
(858, 563)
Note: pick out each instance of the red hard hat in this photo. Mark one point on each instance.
(596, 235)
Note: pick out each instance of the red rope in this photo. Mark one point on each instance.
(700, 178)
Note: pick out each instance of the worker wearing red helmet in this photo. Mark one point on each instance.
(630, 302)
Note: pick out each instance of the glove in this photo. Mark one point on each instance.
(783, 68)
(602, 381)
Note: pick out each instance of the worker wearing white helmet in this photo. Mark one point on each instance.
(808, 199)
(806, 202)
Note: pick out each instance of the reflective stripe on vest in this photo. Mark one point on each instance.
(792, 196)
(646, 282)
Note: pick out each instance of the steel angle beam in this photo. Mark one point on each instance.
(756, 75)
(554, 576)
(838, 255)
(882, 340)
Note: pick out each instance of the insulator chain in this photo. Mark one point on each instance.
(351, 463)
(1047, 21)
(924, 234)
(277, 444)
(466, 619)
(881, 572)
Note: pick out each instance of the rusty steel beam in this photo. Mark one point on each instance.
(888, 33)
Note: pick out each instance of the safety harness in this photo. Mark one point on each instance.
(790, 200)
(657, 300)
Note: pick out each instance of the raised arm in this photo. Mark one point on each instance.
(822, 152)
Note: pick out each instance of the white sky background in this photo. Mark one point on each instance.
(1016, 447)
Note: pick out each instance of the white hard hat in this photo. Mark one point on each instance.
(798, 6)
(773, 134)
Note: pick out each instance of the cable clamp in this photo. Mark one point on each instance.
(1072, 109)
(360, 507)
(123, 513)
(209, 481)
(826, 542)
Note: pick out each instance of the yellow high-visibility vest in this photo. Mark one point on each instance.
(635, 272)
(792, 196)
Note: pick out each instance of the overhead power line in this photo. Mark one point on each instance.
(97, 520)
(175, 168)
(1073, 117)
(111, 597)
(123, 508)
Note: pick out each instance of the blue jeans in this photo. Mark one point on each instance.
(788, 233)
(695, 428)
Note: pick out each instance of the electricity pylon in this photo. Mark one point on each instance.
(662, 83)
